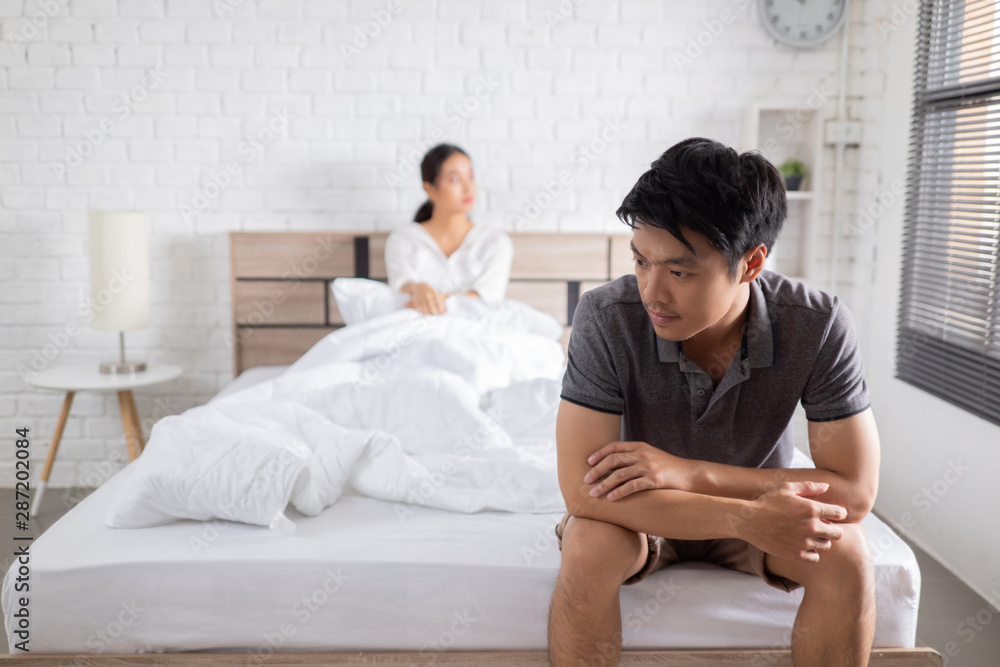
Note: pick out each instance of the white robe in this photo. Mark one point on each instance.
(480, 264)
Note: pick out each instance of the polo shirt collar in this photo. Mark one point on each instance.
(758, 336)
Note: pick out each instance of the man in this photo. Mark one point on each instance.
(674, 435)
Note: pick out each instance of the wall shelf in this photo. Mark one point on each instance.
(780, 129)
(799, 195)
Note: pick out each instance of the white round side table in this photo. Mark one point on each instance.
(72, 379)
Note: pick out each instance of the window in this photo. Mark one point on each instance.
(948, 340)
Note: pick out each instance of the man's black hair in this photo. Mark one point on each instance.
(735, 200)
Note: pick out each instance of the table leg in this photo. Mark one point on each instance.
(51, 458)
(135, 420)
(133, 430)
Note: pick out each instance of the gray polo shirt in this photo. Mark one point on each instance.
(798, 344)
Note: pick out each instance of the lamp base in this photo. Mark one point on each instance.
(122, 367)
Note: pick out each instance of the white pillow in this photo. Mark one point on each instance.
(361, 299)
(226, 468)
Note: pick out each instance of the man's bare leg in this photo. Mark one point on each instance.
(835, 624)
(585, 618)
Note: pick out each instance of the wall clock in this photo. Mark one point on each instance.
(802, 23)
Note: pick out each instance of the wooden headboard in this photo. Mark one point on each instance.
(280, 282)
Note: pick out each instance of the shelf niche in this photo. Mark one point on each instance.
(782, 129)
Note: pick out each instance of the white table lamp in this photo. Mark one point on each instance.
(119, 278)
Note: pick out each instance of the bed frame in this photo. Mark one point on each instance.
(920, 657)
(282, 305)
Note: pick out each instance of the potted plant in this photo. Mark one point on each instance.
(794, 171)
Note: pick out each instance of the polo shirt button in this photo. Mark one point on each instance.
(701, 392)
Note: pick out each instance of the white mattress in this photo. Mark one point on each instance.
(367, 574)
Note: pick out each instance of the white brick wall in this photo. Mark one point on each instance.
(562, 69)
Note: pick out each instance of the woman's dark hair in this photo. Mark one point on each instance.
(735, 200)
(430, 169)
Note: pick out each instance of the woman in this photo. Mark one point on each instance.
(442, 252)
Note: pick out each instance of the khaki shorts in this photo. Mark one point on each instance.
(732, 553)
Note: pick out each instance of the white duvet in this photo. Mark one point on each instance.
(452, 411)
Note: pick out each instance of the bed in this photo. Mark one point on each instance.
(358, 583)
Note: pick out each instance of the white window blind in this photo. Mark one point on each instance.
(948, 340)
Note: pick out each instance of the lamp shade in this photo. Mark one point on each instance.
(119, 270)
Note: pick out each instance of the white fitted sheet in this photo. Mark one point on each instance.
(367, 574)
